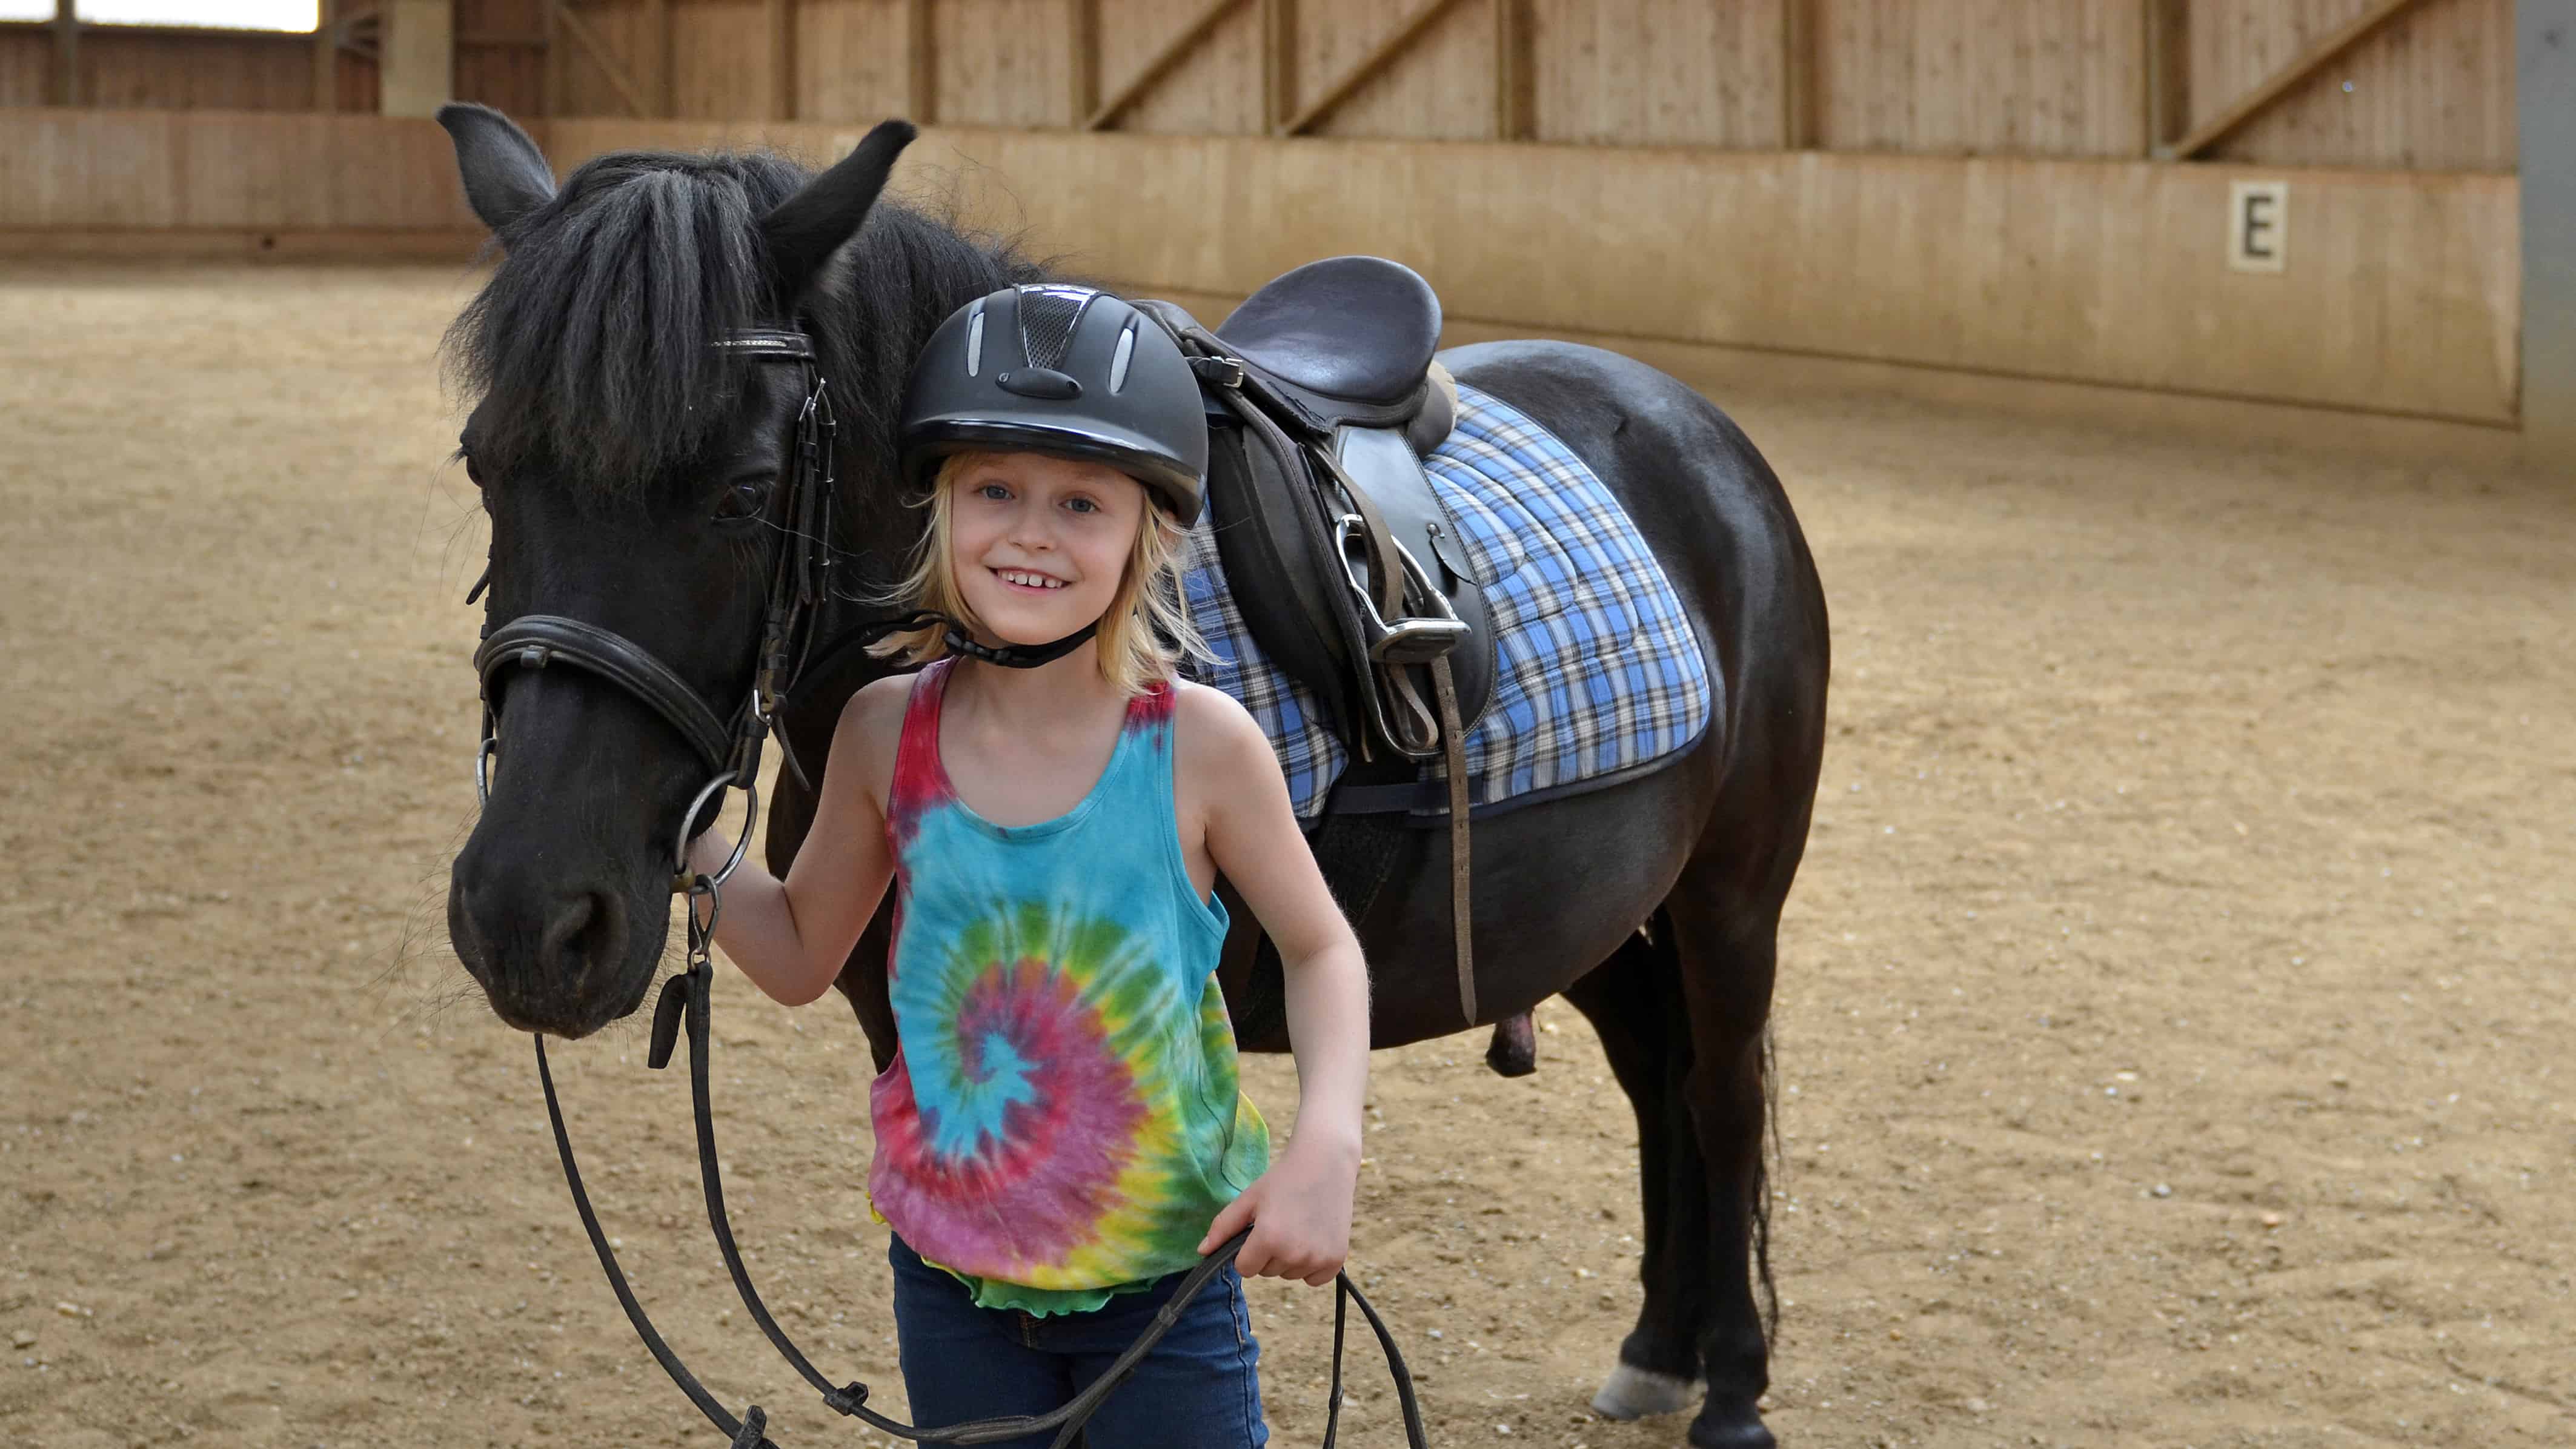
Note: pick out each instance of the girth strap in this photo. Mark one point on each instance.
(1462, 909)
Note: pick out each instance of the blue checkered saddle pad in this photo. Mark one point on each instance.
(1597, 673)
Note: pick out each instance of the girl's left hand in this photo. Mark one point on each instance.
(1299, 1212)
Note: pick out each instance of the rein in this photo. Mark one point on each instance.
(731, 749)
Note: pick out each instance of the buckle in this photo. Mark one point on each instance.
(1221, 371)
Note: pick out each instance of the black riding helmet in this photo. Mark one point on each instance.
(1064, 370)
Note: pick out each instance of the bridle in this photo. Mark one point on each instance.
(730, 746)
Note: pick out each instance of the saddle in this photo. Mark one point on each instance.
(1349, 570)
(1322, 401)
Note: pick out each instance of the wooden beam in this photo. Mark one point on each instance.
(1514, 90)
(780, 18)
(1278, 62)
(2165, 87)
(591, 45)
(1082, 50)
(550, 70)
(66, 76)
(1370, 64)
(1799, 129)
(2219, 127)
(656, 82)
(921, 64)
(1155, 69)
(326, 58)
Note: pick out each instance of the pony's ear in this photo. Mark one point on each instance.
(506, 176)
(805, 229)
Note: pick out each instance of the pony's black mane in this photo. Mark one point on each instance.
(594, 330)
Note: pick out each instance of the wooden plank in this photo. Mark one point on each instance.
(1513, 98)
(656, 80)
(1278, 62)
(779, 19)
(2217, 128)
(1082, 50)
(592, 46)
(1798, 75)
(851, 63)
(1163, 60)
(66, 87)
(1659, 73)
(2164, 50)
(1369, 65)
(2546, 111)
(551, 88)
(2434, 91)
(921, 89)
(326, 58)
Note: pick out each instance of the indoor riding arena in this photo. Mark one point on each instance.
(2170, 1039)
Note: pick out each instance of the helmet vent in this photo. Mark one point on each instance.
(1118, 363)
(1047, 318)
(975, 342)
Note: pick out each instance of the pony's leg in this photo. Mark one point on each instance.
(1634, 1002)
(1728, 955)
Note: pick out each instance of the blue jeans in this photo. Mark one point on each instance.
(1199, 1389)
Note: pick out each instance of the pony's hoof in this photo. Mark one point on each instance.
(1635, 1393)
(1736, 1429)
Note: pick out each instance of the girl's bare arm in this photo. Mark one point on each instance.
(791, 937)
(1301, 1209)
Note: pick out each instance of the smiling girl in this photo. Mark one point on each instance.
(1062, 1133)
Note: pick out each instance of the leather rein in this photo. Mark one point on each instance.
(730, 746)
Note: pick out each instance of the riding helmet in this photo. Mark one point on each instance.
(1063, 370)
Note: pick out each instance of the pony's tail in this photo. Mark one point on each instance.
(1758, 1212)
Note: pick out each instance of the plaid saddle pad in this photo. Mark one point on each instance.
(1597, 674)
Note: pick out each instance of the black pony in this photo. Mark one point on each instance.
(628, 467)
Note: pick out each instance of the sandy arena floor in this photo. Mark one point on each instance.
(2174, 1016)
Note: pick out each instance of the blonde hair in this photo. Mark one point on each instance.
(1144, 636)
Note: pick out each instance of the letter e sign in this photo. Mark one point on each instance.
(2258, 225)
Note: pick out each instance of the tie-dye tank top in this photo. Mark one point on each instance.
(1063, 1118)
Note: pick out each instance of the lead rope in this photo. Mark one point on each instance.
(686, 999)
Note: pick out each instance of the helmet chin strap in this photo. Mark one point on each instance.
(1020, 656)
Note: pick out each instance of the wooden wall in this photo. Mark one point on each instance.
(93, 171)
(167, 68)
(2432, 91)
(2404, 299)
(1981, 77)
(501, 53)
(1659, 72)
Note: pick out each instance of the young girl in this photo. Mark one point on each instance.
(1061, 1134)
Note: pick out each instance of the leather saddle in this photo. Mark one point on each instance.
(1350, 572)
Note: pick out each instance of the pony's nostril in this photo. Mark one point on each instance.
(589, 932)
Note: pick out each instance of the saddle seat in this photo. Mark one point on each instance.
(1349, 338)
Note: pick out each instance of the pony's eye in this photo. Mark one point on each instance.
(746, 498)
